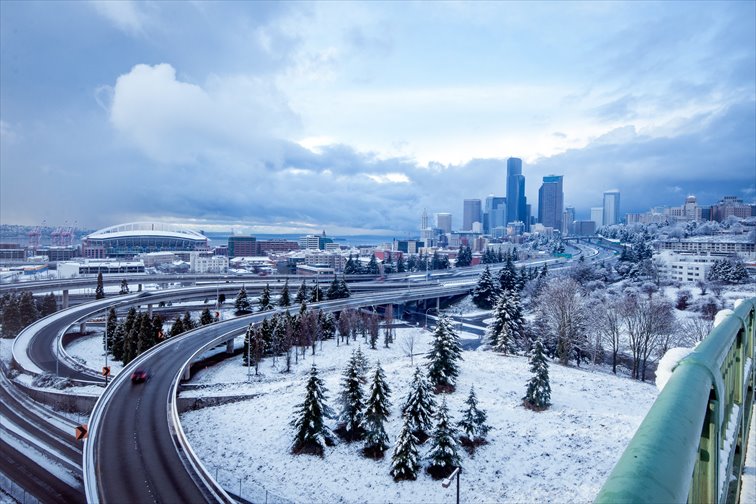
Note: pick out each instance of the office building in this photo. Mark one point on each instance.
(611, 207)
(242, 246)
(551, 201)
(516, 201)
(568, 217)
(470, 214)
(494, 214)
(730, 205)
(597, 216)
(444, 222)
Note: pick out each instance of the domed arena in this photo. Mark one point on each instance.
(128, 240)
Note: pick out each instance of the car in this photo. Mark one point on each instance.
(139, 376)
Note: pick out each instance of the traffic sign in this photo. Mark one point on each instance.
(106, 371)
(81, 432)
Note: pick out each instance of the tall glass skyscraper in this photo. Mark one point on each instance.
(611, 207)
(470, 214)
(494, 214)
(516, 202)
(551, 202)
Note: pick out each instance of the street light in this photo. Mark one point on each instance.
(426, 316)
(448, 480)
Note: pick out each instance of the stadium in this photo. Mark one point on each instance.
(128, 240)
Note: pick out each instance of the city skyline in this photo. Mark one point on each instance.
(291, 117)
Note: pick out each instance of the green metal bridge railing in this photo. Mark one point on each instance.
(691, 445)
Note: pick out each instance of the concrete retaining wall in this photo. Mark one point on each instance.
(58, 400)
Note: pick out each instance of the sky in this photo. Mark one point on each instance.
(354, 117)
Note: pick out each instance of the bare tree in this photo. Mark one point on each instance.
(606, 321)
(408, 346)
(388, 321)
(647, 321)
(694, 329)
(563, 310)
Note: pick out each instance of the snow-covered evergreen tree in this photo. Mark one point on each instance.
(363, 365)
(443, 357)
(443, 454)
(99, 290)
(508, 276)
(316, 294)
(110, 329)
(419, 406)
(264, 300)
(485, 291)
(242, 302)
(352, 402)
(177, 327)
(405, 460)
(206, 317)
(507, 329)
(538, 394)
(124, 287)
(284, 299)
(301, 295)
(311, 434)
(473, 423)
(376, 412)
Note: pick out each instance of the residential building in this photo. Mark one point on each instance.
(242, 246)
(730, 205)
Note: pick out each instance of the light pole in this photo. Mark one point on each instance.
(448, 480)
(426, 316)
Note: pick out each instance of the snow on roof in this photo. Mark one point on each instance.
(132, 229)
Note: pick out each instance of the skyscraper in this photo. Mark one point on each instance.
(470, 214)
(494, 214)
(516, 202)
(444, 222)
(568, 217)
(551, 202)
(597, 216)
(611, 207)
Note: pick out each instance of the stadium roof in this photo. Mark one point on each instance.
(157, 229)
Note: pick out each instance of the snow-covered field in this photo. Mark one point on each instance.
(562, 454)
(89, 352)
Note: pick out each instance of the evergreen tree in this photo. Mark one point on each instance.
(419, 406)
(443, 455)
(405, 459)
(284, 299)
(99, 290)
(301, 295)
(145, 336)
(157, 328)
(110, 329)
(11, 317)
(206, 317)
(116, 349)
(27, 309)
(177, 327)
(131, 340)
(485, 291)
(48, 306)
(316, 295)
(188, 322)
(401, 266)
(311, 434)
(372, 267)
(508, 276)
(344, 289)
(538, 394)
(124, 287)
(473, 423)
(376, 412)
(242, 304)
(508, 325)
(328, 326)
(264, 301)
(351, 267)
(352, 402)
(445, 351)
(362, 364)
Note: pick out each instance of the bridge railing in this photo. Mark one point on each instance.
(690, 447)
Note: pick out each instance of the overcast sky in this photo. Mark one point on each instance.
(353, 117)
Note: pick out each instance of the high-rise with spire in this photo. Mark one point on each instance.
(517, 205)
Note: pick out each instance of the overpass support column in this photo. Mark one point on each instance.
(83, 327)
(139, 287)
(65, 298)
(149, 310)
(438, 305)
(230, 346)
(187, 373)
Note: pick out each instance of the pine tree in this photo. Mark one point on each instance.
(376, 412)
(145, 336)
(301, 295)
(110, 329)
(48, 306)
(538, 394)
(443, 367)
(316, 294)
(206, 317)
(116, 349)
(11, 317)
(27, 309)
(508, 276)
(372, 267)
(419, 406)
(362, 364)
(352, 402)
(401, 266)
(311, 433)
(124, 287)
(405, 459)
(188, 322)
(177, 327)
(99, 290)
(344, 292)
(443, 454)
(242, 304)
(485, 291)
(473, 423)
(284, 299)
(507, 327)
(264, 300)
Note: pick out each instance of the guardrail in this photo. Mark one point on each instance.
(690, 447)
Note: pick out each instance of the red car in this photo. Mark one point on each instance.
(139, 376)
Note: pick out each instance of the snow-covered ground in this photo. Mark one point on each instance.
(562, 454)
(89, 352)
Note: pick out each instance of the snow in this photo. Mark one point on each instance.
(748, 483)
(667, 365)
(89, 352)
(563, 453)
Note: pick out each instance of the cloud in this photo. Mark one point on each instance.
(126, 15)
(173, 121)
